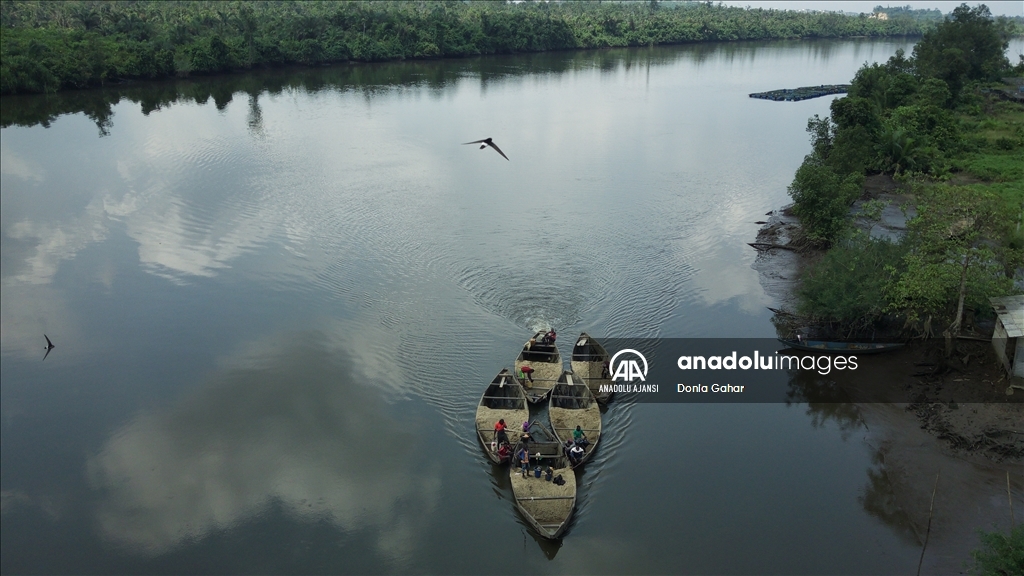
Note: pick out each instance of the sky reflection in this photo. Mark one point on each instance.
(296, 428)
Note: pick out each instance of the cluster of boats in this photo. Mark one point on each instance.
(545, 488)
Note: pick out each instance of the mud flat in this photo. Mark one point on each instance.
(970, 494)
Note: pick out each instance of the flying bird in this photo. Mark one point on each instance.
(49, 346)
(488, 142)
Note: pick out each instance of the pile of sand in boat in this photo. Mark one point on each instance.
(556, 502)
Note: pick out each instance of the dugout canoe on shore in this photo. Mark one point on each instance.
(547, 366)
(589, 363)
(503, 398)
(571, 404)
(546, 505)
(842, 347)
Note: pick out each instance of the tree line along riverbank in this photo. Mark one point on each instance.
(52, 46)
(935, 123)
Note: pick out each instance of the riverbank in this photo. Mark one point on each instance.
(48, 47)
(921, 371)
(960, 426)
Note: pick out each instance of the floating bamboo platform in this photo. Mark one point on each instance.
(805, 93)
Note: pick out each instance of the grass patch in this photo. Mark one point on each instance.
(994, 166)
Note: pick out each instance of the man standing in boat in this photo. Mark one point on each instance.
(499, 432)
(524, 459)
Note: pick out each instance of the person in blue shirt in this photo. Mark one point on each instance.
(524, 460)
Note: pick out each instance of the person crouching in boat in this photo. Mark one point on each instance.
(549, 338)
(503, 450)
(527, 373)
(576, 454)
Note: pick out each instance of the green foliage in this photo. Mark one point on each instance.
(886, 85)
(847, 286)
(915, 119)
(854, 111)
(853, 151)
(933, 92)
(899, 148)
(968, 46)
(995, 165)
(822, 199)
(952, 256)
(50, 46)
(898, 116)
(1000, 554)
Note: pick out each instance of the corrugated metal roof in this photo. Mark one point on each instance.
(1010, 310)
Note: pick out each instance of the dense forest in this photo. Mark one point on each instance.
(50, 46)
(941, 124)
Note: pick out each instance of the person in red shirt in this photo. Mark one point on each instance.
(528, 372)
(499, 432)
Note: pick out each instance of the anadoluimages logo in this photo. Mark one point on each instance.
(627, 370)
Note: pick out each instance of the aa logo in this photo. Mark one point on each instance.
(628, 369)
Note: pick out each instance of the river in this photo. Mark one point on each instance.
(276, 299)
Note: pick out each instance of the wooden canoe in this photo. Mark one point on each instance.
(589, 363)
(503, 398)
(546, 506)
(547, 366)
(842, 347)
(570, 405)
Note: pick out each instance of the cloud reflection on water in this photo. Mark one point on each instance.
(296, 427)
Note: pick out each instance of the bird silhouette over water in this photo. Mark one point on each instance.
(485, 143)
(49, 346)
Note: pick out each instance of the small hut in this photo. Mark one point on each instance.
(1008, 337)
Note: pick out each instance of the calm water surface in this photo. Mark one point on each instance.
(277, 298)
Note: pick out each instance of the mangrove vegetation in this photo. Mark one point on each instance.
(52, 46)
(943, 125)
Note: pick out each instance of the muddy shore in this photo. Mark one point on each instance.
(947, 418)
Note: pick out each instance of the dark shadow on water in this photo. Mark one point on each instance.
(878, 500)
(826, 401)
(500, 482)
(550, 548)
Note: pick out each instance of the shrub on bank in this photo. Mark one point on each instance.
(846, 288)
(822, 199)
(1000, 554)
